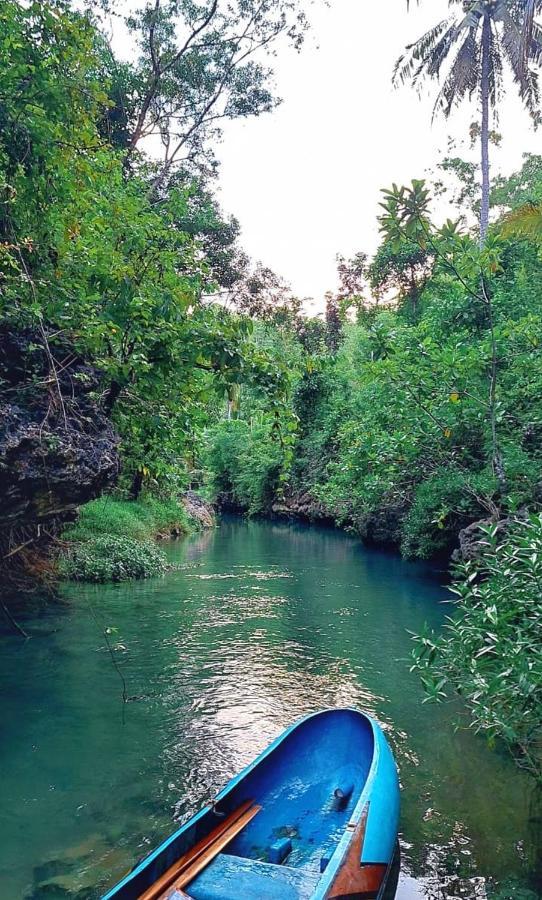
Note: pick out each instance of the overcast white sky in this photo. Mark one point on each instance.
(304, 181)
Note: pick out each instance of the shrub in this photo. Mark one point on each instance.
(491, 653)
(110, 558)
(443, 504)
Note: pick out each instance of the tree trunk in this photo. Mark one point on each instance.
(486, 66)
(497, 462)
(137, 485)
(111, 396)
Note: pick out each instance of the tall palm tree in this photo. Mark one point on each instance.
(470, 49)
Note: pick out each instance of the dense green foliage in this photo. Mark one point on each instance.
(90, 249)
(245, 463)
(400, 422)
(112, 558)
(492, 652)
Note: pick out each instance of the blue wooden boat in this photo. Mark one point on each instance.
(314, 817)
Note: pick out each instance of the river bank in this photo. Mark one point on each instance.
(115, 540)
(381, 529)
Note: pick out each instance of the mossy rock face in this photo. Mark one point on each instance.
(54, 456)
(382, 526)
(198, 510)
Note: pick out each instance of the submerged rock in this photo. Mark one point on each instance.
(51, 869)
(78, 870)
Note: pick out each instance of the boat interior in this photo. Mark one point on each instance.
(297, 802)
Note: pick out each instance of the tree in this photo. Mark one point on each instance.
(400, 270)
(406, 218)
(352, 276)
(201, 63)
(87, 256)
(520, 197)
(475, 44)
(522, 186)
(461, 177)
(217, 235)
(261, 293)
(334, 322)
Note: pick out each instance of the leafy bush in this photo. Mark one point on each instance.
(110, 558)
(443, 504)
(491, 653)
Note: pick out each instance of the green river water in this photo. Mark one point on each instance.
(261, 623)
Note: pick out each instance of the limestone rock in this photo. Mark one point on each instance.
(57, 448)
(197, 509)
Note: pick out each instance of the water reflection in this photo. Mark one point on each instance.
(262, 624)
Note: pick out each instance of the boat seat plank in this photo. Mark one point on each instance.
(233, 877)
(207, 856)
(215, 841)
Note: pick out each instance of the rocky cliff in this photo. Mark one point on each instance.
(57, 449)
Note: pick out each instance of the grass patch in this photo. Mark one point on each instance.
(112, 539)
(139, 520)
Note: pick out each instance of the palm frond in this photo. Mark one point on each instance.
(463, 78)
(526, 221)
(418, 52)
(511, 38)
(525, 76)
(535, 46)
(512, 22)
(442, 51)
(529, 11)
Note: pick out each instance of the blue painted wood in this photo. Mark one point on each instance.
(294, 780)
(279, 851)
(234, 877)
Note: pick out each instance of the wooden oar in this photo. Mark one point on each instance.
(208, 855)
(155, 891)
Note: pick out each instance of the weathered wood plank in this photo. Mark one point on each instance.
(203, 859)
(165, 880)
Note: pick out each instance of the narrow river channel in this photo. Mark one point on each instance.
(261, 624)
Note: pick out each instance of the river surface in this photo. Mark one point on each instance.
(261, 624)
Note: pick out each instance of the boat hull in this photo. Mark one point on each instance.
(328, 801)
